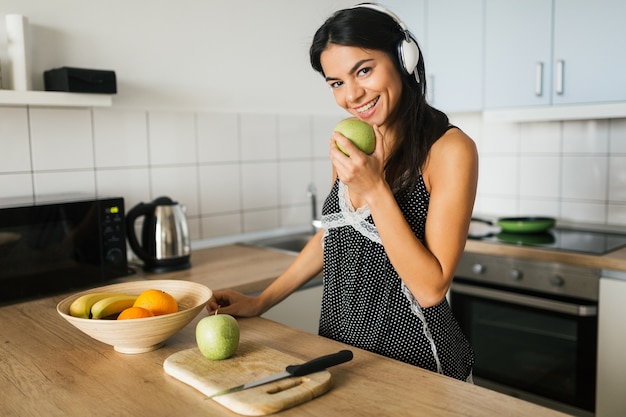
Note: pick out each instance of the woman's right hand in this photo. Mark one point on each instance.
(234, 303)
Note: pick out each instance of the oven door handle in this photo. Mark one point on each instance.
(527, 300)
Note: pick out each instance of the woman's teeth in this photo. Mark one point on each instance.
(367, 106)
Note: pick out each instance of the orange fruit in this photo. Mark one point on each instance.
(134, 313)
(157, 302)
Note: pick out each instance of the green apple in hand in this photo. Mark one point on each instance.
(359, 132)
(217, 336)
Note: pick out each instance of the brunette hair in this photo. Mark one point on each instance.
(418, 124)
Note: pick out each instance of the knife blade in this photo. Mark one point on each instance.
(314, 365)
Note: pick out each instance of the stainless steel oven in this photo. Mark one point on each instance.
(533, 337)
(533, 324)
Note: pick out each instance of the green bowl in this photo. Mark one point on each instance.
(526, 224)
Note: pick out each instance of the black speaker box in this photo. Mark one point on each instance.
(79, 80)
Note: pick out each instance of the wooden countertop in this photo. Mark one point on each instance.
(47, 367)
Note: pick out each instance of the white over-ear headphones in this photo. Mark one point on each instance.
(408, 51)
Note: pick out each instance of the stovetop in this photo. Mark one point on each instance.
(581, 241)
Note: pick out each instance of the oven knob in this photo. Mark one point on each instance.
(516, 274)
(557, 281)
(478, 268)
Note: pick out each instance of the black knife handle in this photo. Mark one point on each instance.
(319, 364)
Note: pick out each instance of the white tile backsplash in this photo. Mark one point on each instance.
(574, 211)
(218, 137)
(540, 176)
(588, 137)
(617, 179)
(172, 138)
(294, 180)
(238, 173)
(322, 178)
(496, 206)
(617, 136)
(539, 207)
(64, 182)
(120, 138)
(294, 136)
(259, 185)
(220, 188)
(14, 140)
(500, 138)
(295, 216)
(131, 183)
(257, 220)
(585, 177)
(17, 185)
(616, 214)
(572, 170)
(322, 131)
(259, 141)
(222, 225)
(178, 183)
(61, 139)
(499, 175)
(542, 138)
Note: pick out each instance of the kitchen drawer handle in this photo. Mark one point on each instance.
(539, 79)
(527, 300)
(560, 67)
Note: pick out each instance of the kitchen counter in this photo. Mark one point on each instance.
(615, 260)
(47, 367)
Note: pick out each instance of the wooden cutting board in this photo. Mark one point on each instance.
(251, 361)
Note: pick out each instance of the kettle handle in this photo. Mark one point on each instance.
(139, 210)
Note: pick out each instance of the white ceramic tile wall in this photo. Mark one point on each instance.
(14, 140)
(235, 173)
(240, 173)
(573, 170)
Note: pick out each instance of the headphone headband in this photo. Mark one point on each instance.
(408, 51)
(381, 9)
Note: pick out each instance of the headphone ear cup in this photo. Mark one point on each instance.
(409, 55)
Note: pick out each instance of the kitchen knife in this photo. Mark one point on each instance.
(314, 365)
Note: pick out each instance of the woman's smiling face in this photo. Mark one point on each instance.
(365, 82)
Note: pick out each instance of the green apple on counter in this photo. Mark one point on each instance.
(359, 132)
(217, 336)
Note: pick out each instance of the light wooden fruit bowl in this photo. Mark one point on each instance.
(144, 334)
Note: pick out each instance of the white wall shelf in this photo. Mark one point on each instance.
(53, 99)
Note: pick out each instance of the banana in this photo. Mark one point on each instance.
(112, 305)
(81, 307)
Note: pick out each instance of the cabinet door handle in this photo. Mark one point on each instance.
(539, 79)
(560, 66)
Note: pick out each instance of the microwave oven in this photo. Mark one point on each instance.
(59, 245)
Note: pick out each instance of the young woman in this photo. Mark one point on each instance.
(395, 222)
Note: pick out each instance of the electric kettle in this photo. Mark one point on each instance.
(165, 242)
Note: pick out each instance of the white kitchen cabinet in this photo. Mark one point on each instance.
(413, 14)
(547, 52)
(517, 52)
(454, 58)
(589, 38)
(300, 310)
(610, 398)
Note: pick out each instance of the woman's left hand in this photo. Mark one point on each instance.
(362, 173)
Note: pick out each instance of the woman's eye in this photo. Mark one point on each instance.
(335, 84)
(364, 71)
